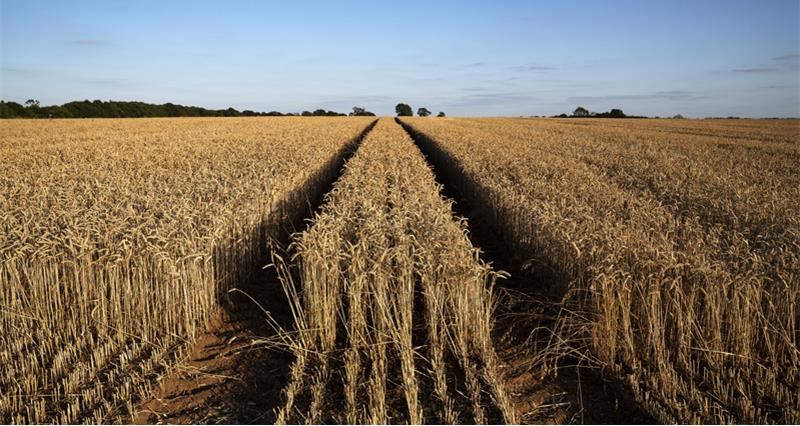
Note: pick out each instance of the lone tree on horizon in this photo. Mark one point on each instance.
(617, 113)
(361, 111)
(423, 112)
(580, 112)
(403, 110)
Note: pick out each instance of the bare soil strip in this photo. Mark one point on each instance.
(529, 305)
(230, 375)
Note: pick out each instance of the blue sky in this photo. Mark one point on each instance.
(697, 58)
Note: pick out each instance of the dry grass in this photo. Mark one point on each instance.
(395, 307)
(117, 237)
(680, 243)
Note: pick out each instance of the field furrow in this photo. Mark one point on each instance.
(677, 286)
(118, 240)
(394, 309)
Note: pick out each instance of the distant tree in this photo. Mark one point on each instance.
(580, 112)
(403, 110)
(31, 103)
(423, 112)
(319, 112)
(678, 117)
(13, 110)
(440, 114)
(361, 112)
(617, 113)
(306, 114)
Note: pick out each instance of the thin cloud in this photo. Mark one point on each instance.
(89, 42)
(486, 99)
(110, 82)
(793, 57)
(366, 98)
(754, 70)
(475, 65)
(672, 95)
(21, 71)
(530, 68)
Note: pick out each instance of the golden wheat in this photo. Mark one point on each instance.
(394, 301)
(118, 237)
(680, 243)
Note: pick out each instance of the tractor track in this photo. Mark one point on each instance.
(529, 303)
(231, 375)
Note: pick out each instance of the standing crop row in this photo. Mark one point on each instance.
(119, 237)
(393, 305)
(680, 249)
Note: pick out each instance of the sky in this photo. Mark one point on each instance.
(499, 58)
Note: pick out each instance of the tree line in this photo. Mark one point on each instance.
(581, 112)
(405, 110)
(124, 109)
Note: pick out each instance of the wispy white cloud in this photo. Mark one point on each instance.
(754, 70)
(530, 68)
(490, 99)
(18, 71)
(792, 57)
(672, 95)
(89, 42)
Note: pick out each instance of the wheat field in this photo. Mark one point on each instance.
(119, 236)
(677, 243)
(673, 251)
(385, 239)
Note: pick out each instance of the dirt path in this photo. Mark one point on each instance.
(230, 376)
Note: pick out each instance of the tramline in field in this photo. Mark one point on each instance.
(391, 285)
(680, 248)
(671, 250)
(118, 238)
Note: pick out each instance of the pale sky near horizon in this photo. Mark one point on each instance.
(696, 58)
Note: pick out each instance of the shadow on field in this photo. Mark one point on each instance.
(234, 373)
(544, 389)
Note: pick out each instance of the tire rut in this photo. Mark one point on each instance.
(230, 375)
(528, 308)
